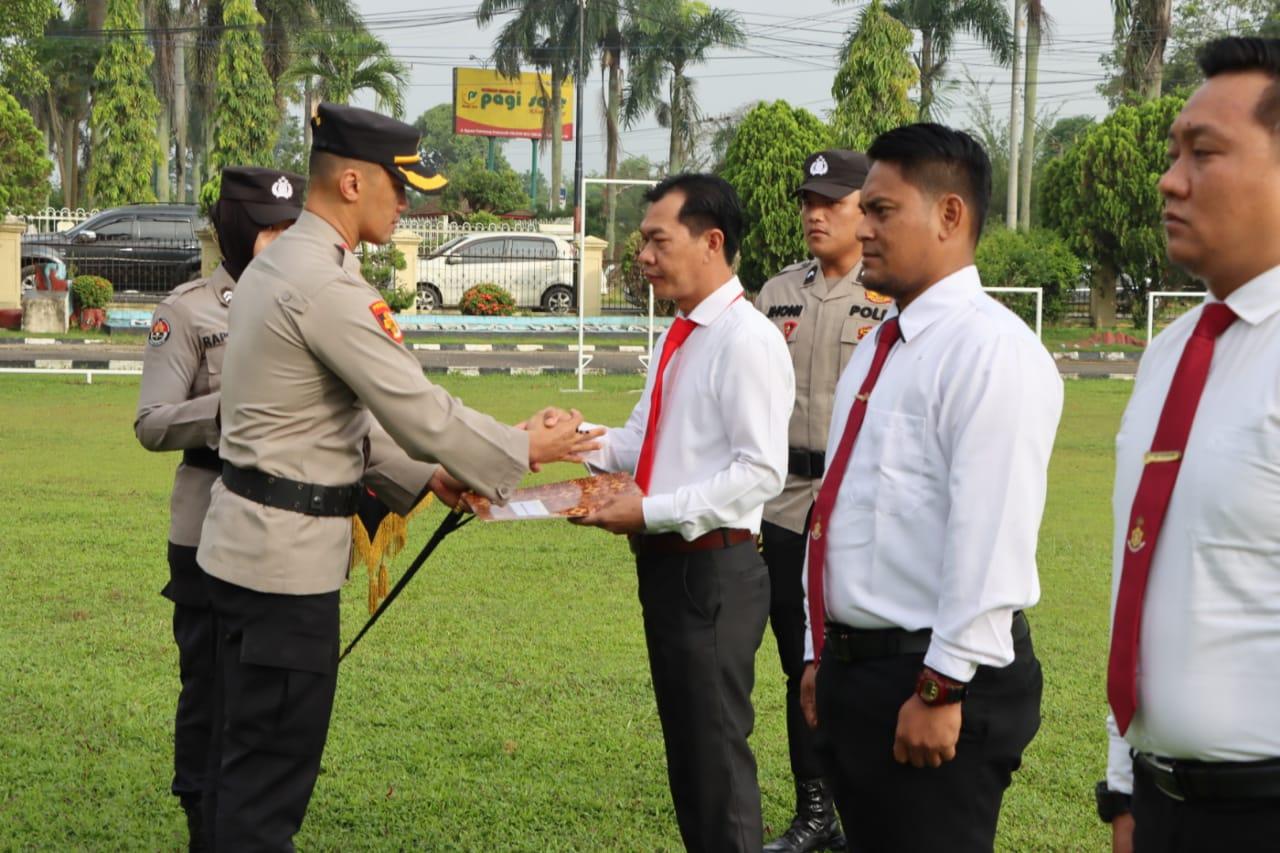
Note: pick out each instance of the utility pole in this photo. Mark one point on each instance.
(1015, 116)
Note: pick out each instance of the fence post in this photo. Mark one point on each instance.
(11, 229)
(592, 274)
(407, 242)
(210, 253)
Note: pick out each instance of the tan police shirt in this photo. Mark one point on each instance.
(178, 401)
(822, 323)
(314, 356)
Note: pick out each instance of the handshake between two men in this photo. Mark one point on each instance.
(555, 435)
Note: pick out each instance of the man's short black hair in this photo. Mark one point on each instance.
(1239, 53)
(940, 160)
(709, 202)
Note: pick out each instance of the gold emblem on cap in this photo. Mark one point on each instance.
(406, 159)
(1161, 456)
(816, 530)
(1137, 539)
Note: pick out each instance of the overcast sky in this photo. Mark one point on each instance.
(788, 56)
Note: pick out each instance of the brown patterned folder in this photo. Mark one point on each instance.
(566, 499)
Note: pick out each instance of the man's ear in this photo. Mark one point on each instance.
(715, 241)
(953, 215)
(349, 181)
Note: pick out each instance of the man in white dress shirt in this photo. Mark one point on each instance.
(922, 543)
(1194, 667)
(708, 444)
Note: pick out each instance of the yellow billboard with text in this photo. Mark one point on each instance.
(487, 104)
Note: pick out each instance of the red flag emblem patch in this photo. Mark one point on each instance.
(789, 328)
(382, 313)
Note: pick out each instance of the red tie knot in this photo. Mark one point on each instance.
(1214, 320)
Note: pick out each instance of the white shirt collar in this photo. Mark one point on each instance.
(716, 303)
(1257, 299)
(938, 301)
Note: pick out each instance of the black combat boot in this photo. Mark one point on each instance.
(815, 826)
(192, 806)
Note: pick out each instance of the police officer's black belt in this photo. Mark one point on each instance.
(202, 457)
(806, 463)
(281, 493)
(847, 644)
(1198, 781)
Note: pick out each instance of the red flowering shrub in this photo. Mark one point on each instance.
(487, 300)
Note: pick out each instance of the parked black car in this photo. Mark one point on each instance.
(144, 249)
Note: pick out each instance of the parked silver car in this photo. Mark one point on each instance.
(536, 269)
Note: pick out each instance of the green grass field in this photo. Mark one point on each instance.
(504, 701)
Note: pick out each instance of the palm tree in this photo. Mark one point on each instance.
(664, 39)
(939, 21)
(345, 60)
(1038, 24)
(1143, 26)
(544, 34)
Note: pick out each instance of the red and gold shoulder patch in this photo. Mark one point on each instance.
(878, 298)
(160, 332)
(789, 328)
(382, 313)
(862, 332)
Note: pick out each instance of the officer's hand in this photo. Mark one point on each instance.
(927, 736)
(447, 488)
(560, 442)
(550, 416)
(620, 515)
(1122, 834)
(809, 694)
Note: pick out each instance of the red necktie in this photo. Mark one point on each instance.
(826, 502)
(1160, 472)
(676, 336)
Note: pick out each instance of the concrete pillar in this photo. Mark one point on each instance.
(210, 253)
(407, 243)
(592, 274)
(11, 229)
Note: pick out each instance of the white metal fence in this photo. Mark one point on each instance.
(52, 220)
(437, 230)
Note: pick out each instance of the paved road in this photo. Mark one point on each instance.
(93, 355)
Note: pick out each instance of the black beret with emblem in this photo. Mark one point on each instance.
(269, 196)
(834, 173)
(374, 138)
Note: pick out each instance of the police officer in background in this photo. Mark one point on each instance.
(314, 356)
(177, 410)
(823, 313)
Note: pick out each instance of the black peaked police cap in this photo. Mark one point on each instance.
(374, 138)
(834, 173)
(269, 196)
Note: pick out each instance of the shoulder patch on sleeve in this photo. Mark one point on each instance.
(382, 313)
(160, 332)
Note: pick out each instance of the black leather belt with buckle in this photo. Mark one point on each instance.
(806, 463)
(202, 457)
(1197, 781)
(847, 644)
(282, 493)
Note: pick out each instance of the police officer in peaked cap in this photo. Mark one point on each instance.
(177, 410)
(823, 312)
(315, 368)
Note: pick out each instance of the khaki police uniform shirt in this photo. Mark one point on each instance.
(822, 323)
(178, 401)
(313, 358)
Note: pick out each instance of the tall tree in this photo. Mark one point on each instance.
(544, 34)
(1142, 27)
(24, 181)
(22, 22)
(160, 20)
(1101, 197)
(1038, 23)
(246, 123)
(1016, 98)
(664, 41)
(344, 61)
(436, 127)
(124, 114)
(875, 76)
(764, 163)
(939, 21)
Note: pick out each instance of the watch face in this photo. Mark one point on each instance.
(930, 690)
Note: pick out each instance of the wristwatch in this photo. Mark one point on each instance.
(936, 689)
(1111, 804)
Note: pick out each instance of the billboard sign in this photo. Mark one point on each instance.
(487, 104)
